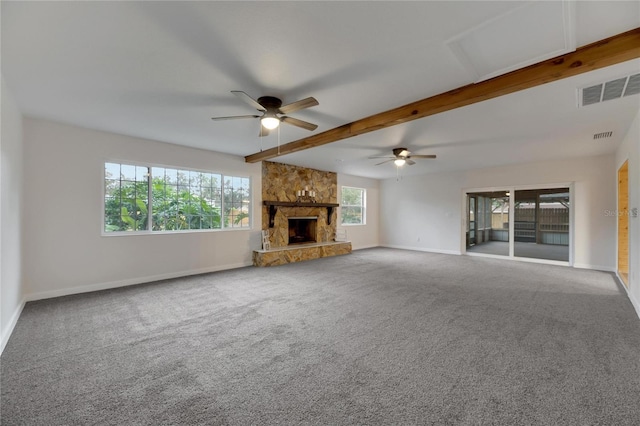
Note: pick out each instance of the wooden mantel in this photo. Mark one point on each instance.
(273, 208)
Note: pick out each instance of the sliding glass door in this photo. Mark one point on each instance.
(541, 224)
(488, 219)
(528, 223)
(471, 220)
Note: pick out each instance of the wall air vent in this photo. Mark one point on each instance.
(614, 89)
(603, 135)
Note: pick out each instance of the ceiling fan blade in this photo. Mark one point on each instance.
(248, 99)
(234, 117)
(299, 123)
(386, 161)
(423, 156)
(298, 105)
(410, 162)
(264, 131)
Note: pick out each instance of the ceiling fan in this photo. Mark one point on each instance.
(272, 112)
(402, 156)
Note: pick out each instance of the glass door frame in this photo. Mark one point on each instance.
(512, 190)
(469, 210)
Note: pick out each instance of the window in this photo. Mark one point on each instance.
(143, 198)
(353, 206)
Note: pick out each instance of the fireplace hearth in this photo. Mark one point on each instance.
(302, 229)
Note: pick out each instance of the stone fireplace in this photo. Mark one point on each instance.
(298, 230)
(302, 229)
(280, 183)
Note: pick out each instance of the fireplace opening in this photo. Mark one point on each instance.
(302, 229)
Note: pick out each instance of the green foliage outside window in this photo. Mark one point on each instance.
(352, 206)
(180, 199)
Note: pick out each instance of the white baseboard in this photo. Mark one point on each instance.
(490, 256)
(428, 250)
(634, 302)
(133, 281)
(6, 333)
(365, 247)
(594, 267)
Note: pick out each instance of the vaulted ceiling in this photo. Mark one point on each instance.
(161, 70)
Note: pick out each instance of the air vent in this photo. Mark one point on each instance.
(614, 89)
(603, 135)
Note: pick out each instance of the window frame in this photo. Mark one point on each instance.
(149, 230)
(363, 205)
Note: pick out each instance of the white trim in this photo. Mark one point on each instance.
(133, 281)
(363, 206)
(368, 246)
(617, 253)
(572, 223)
(594, 267)
(634, 302)
(512, 222)
(512, 190)
(150, 231)
(428, 250)
(519, 187)
(6, 333)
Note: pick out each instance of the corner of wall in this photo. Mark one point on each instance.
(7, 330)
(629, 150)
(11, 198)
(635, 303)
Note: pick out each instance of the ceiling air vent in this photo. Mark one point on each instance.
(603, 135)
(614, 89)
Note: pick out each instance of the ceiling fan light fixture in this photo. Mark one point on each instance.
(270, 121)
(399, 162)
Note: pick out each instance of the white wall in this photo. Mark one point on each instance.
(422, 212)
(11, 291)
(362, 236)
(65, 251)
(629, 150)
(425, 212)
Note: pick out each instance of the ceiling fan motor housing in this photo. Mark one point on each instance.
(270, 102)
(401, 152)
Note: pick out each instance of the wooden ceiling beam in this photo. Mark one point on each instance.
(610, 51)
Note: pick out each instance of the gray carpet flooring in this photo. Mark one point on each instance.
(380, 336)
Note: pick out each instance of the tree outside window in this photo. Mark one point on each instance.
(174, 199)
(352, 206)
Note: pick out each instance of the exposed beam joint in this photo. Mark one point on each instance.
(610, 51)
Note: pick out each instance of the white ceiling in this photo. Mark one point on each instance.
(160, 70)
